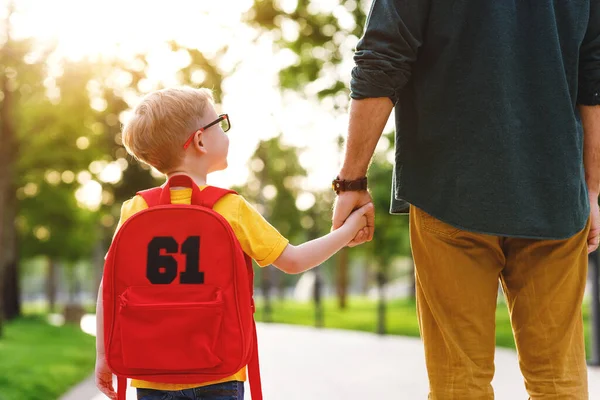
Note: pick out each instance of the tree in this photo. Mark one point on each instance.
(317, 222)
(321, 39)
(7, 157)
(68, 124)
(391, 238)
(274, 186)
(16, 73)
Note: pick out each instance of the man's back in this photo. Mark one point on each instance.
(489, 138)
(491, 101)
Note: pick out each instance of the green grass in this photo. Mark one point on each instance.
(40, 362)
(361, 315)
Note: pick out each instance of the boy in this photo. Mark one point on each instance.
(177, 131)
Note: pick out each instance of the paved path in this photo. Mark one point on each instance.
(300, 363)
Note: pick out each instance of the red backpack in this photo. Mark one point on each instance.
(177, 295)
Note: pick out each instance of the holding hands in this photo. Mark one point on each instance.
(355, 210)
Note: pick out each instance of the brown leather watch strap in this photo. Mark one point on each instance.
(339, 185)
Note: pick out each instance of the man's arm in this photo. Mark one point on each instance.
(588, 98)
(384, 58)
(590, 116)
(589, 60)
(367, 120)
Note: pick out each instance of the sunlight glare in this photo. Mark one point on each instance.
(305, 201)
(88, 324)
(112, 173)
(122, 29)
(103, 28)
(89, 195)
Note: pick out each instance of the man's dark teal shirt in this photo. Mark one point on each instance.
(489, 137)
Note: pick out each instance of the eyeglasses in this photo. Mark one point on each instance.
(223, 120)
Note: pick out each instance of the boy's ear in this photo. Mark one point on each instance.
(198, 144)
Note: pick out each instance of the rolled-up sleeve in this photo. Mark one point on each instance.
(589, 60)
(385, 54)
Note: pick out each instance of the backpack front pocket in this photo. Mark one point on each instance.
(183, 321)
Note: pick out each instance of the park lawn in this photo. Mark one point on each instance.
(39, 361)
(361, 315)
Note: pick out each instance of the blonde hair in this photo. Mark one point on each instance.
(162, 122)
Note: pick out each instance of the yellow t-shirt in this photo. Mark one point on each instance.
(259, 239)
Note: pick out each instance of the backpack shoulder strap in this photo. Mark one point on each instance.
(211, 194)
(151, 196)
(121, 387)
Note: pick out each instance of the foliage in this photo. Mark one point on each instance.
(324, 40)
(50, 221)
(67, 120)
(323, 47)
(273, 185)
(273, 188)
(391, 238)
(40, 361)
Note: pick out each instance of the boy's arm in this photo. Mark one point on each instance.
(297, 259)
(103, 375)
(99, 324)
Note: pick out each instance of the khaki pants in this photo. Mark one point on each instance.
(457, 275)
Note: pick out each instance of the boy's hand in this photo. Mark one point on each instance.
(357, 220)
(344, 204)
(104, 377)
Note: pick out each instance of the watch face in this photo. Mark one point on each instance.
(335, 185)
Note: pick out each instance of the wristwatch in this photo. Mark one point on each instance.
(339, 185)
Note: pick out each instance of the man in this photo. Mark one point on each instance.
(498, 159)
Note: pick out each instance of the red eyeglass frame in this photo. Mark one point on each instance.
(216, 121)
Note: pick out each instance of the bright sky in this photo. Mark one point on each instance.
(252, 99)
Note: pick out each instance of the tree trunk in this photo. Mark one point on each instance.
(73, 310)
(342, 278)
(280, 283)
(11, 291)
(366, 272)
(8, 150)
(12, 304)
(318, 297)
(381, 306)
(265, 286)
(51, 285)
(12, 284)
(313, 233)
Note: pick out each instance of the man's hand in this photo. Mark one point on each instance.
(594, 235)
(104, 377)
(345, 203)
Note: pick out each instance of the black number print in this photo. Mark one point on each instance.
(191, 249)
(162, 268)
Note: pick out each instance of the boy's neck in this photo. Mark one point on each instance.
(199, 179)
